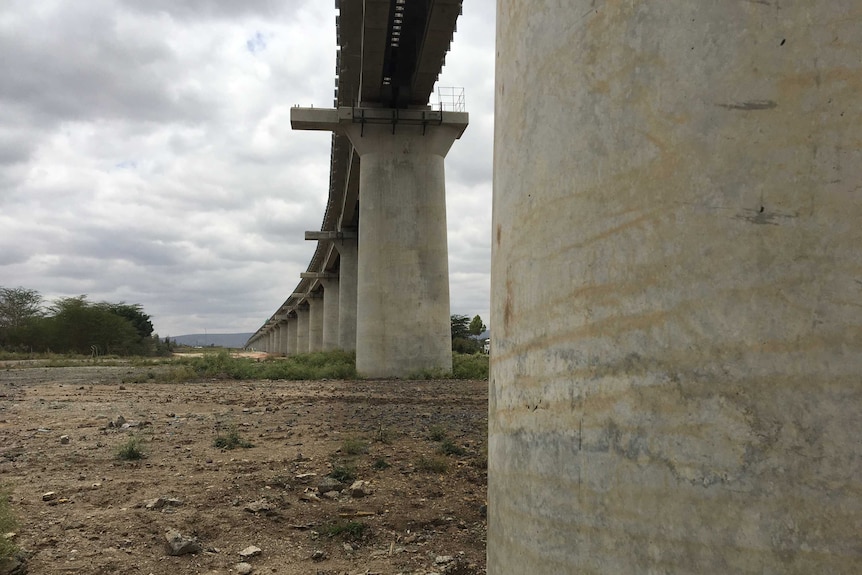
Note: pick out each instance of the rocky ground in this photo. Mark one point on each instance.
(408, 496)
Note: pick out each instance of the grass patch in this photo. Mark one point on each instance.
(437, 433)
(8, 524)
(347, 530)
(470, 366)
(383, 435)
(448, 447)
(430, 374)
(130, 450)
(380, 464)
(432, 464)
(231, 440)
(353, 447)
(222, 365)
(343, 473)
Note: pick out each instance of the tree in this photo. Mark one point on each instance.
(461, 340)
(18, 306)
(460, 326)
(20, 311)
(476, 326)
(136, 316)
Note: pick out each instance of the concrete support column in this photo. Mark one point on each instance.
(302, 329)
(291, 335)
(402, 321)
(270, 340)
(315, 322)
(347, 278)
(676, 270)
(282, 336)
(330, 313)
(276, 336)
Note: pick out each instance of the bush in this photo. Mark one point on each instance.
(221, 365)
(231, 440)
(437, 433)
(130, 450)
(432, 464)
(470, 366)
(353, 447)
(380, 464)
(343, 473)
(448, 447)
(347, 530)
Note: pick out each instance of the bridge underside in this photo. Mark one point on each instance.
(390, 53)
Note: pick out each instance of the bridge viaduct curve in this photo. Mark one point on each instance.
(378, 281)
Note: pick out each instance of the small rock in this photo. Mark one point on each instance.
(259, 506)
(359, 489)
(64, 439)
(318, 555)
(49, 496)
(250, 551)
(330, 495)
(329, 484)
(161, 502)
(347, 547)
(179, 544)
(119, 421)
(305, 477)
(243, 568)
(443, 559)
(14, 565)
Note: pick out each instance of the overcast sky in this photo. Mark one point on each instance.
(146, 154)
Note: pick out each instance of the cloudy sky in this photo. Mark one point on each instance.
(146, 154)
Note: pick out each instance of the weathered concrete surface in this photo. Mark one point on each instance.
(292, 335)
(302, 328)
(402, 321)
(315, 323)
(677, 288)
(330, 313)
(347, 277)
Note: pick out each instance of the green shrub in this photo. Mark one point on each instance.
(432, 464)
(343, 473)
(347, 530)
(353, 447)
(231, 440)
(473, 366)
(448, 447)
(383, 435)
(221, 365)
(437, 433)
(380, 464)
(130, 450)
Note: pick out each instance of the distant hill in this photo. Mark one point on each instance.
(234, 340)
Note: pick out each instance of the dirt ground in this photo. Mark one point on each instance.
(84, 510)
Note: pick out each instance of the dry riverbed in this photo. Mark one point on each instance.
(410, 457)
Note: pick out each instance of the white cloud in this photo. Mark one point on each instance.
(146, 154)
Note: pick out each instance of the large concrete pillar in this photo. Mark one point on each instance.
(302, 328)
(282, 336)
(291, 335)
(402, 321)
(402, 318)
(347, 277)
(330, 313)
(315, 322)
(276, 337)
(676, 302)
